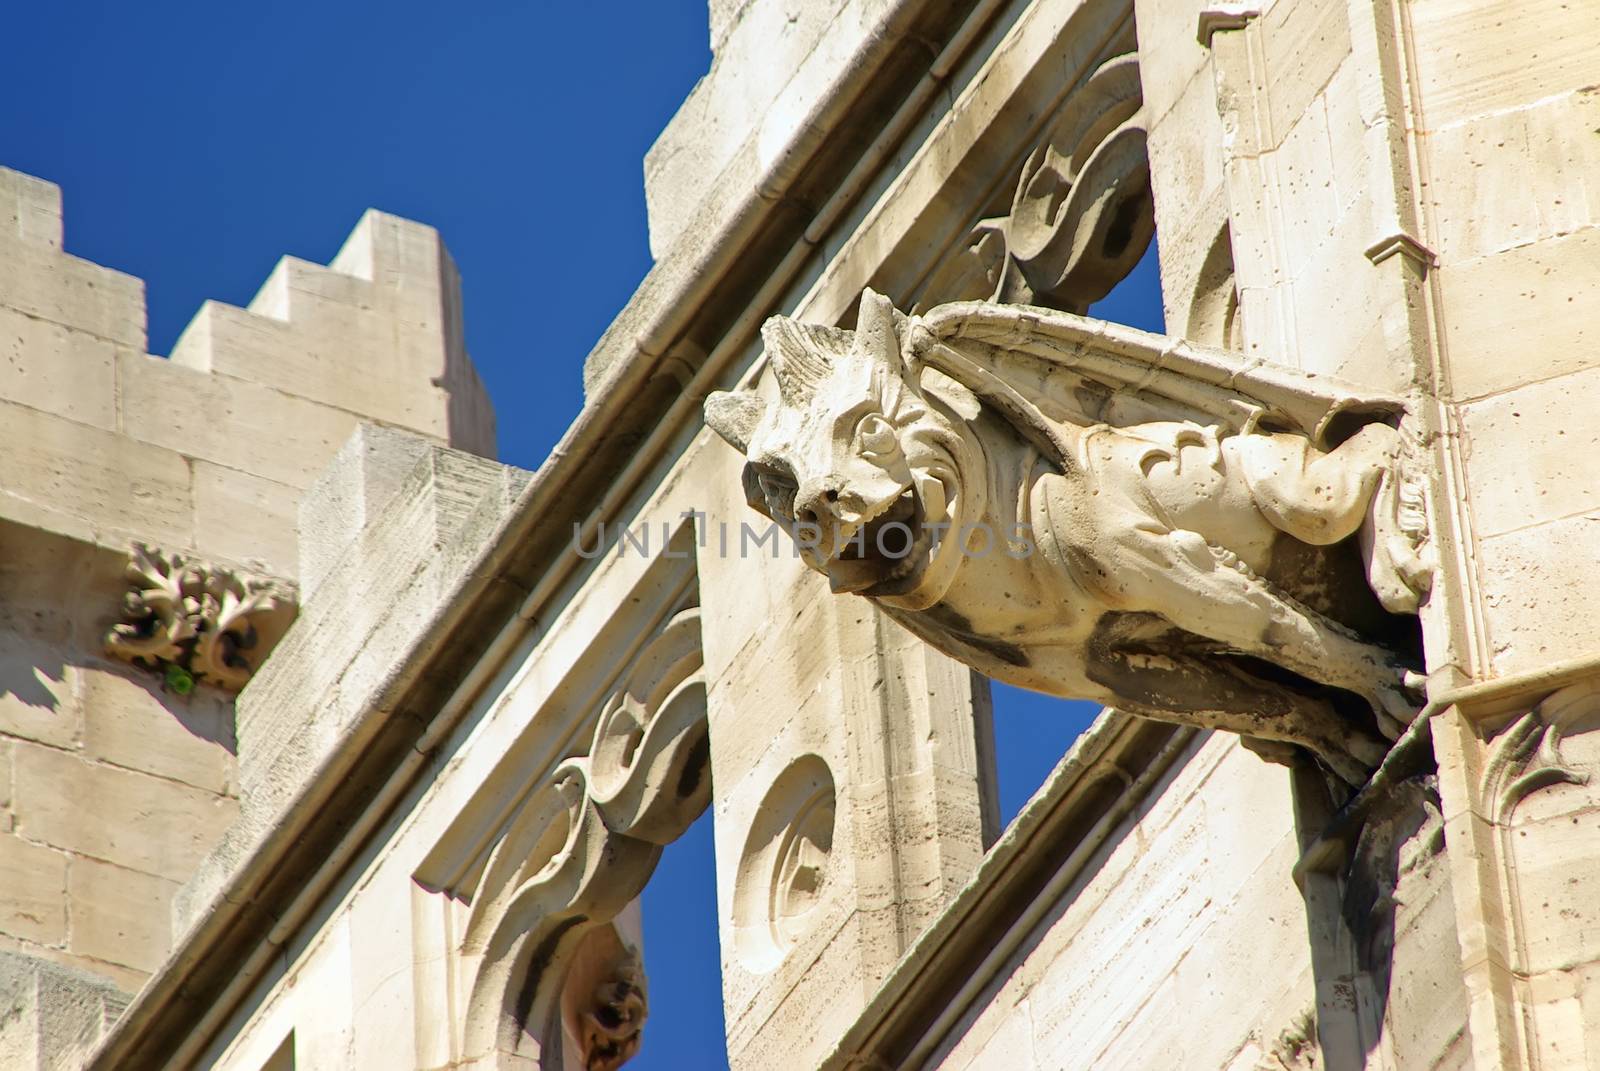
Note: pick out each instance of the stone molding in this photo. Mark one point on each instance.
(192, 621)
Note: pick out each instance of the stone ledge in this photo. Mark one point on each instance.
(1077, 809)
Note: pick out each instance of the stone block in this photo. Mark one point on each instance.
(384, 589)
(130, 722)
(1542, 593)
(1170, 55)
(241, 517)
(119, 915)
(57, 369)
(91, 483)
(1539, 295)
(142, 822)
(1348, 138)
(1303, 42)
(1252, 224)
(1475, 57)
(1337, 300)
(1511, 178)
(60, 591)
(349, 494)
(34, 877)
(339, 355)
(723, 15)
(38, 693)
(382, 987)
(1186, 160)
(56, 1014)
(40, 281)
(1550, 431)
(377, 333)
(229, 421)
(30, 208)
(750, 72)
(314, 694)
(1307, 205)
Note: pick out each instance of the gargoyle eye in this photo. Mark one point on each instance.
(876, 438)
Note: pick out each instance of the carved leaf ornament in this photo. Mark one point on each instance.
(580, 851)
(1526, 756)
(1082, 215)
(192, 621)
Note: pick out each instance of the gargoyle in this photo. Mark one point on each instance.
(1098, 513)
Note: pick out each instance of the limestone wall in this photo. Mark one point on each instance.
(1509, 163)
(114, 787)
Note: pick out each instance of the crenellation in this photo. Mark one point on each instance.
(377, 334)
(30, 208)
(116, 785)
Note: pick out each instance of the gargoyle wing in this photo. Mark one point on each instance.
(1043, 368)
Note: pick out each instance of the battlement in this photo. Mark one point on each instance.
(120, 785)
(219, 441)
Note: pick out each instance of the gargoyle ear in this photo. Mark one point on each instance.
(878, 330)
(734, 415)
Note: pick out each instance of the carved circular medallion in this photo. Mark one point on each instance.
(783, 872)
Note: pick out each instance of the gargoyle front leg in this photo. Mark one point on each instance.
(1206, 590)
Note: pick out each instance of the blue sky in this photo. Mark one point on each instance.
(198, 142)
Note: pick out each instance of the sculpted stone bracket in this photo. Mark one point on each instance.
(1099, 513)
(191, 621)
(576, 855)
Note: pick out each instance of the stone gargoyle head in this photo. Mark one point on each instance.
(866, 458)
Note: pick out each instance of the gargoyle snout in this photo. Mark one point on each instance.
(820, 504)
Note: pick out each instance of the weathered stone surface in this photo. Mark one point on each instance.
(377, 333)
(57, 369)
(246, 518)
(351, 492)
(1478, 58)
(35, 882)
(38, 693)
(119, 915)
(145, 823)
(55, 1015)
(83, 481)
(30, 208)
(1539, 291)
(129, 722)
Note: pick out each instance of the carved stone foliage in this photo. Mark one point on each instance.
(1526, 755)
(574, 857)
(192, 621)
(1099, 513)
(1081, 215)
